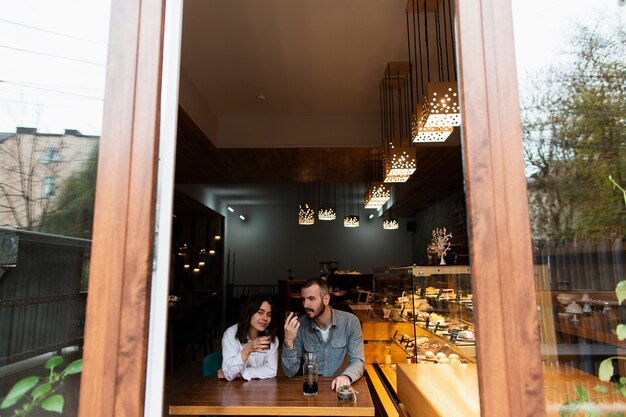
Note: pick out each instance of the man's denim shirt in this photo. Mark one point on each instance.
(345, 337)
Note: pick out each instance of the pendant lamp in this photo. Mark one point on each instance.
(350, 219)
(306, 213)
(399, 161)
(436, 103)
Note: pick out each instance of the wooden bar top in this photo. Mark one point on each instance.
(280, 396)
(429, 390)
(439, 390)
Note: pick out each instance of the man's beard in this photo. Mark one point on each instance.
(318, 314)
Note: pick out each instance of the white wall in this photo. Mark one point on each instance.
(270, 242)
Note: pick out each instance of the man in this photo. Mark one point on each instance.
(329, 333)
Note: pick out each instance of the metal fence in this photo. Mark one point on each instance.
(42, 293)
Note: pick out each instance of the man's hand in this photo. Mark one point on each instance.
(340, 381)
(291, 330)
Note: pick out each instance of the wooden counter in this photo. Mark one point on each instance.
(429, 390)
(280, 396)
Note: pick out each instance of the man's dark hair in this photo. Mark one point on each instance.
(253, 304)
(317, 281)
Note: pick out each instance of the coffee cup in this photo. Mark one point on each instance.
(265, 342)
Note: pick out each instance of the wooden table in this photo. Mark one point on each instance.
(280, 396)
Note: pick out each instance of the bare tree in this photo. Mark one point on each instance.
(574, 137)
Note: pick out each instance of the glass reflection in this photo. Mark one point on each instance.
(572, 96)
(51, 98)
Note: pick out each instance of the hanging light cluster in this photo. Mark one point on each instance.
(399, 162)
(438, 112)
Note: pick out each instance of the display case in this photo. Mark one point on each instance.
(437, 304)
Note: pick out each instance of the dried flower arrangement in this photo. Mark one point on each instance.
(440, 244)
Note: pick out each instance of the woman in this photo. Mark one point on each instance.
(250, 347)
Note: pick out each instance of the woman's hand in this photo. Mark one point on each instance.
(220, 374)
(259, 344)
(291, 329)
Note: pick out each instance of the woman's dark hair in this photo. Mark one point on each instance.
(252, 305)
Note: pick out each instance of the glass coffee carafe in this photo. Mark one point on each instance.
(309, 370)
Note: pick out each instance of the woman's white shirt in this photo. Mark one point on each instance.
(259, 365)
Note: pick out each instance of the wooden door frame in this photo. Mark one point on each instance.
(116, 330)
(509, 362)
(116, 336)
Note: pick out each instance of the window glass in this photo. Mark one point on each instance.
(53, 58)
(571, 58)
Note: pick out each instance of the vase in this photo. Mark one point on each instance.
(443, 259)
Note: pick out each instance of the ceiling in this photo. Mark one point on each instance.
(317, 65)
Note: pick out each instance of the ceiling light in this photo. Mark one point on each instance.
(441, 105)
(327, 213)
(201, 263)
(306, 214)
(400, 163)
(371, 216)
(260, 97)
(327, 202)
(377, 195)
(218, 237)
(232, 210)
(423, 134)
(351, 221)
(242, 217)
(390, 224)
(434, 119)
(211, 252)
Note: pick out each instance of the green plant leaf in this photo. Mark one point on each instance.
(622, 380)
(621, 331)
(42, 389)
(53, 362)
(54, 404)
(582, 393)
(74, 367)
(19, 390)
(606, 370)
(622, 391)
(600, 388)
(620, 291)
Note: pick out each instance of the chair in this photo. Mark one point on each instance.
(211, 363)
(198, 331)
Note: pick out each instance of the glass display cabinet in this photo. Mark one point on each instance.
(436, 302)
